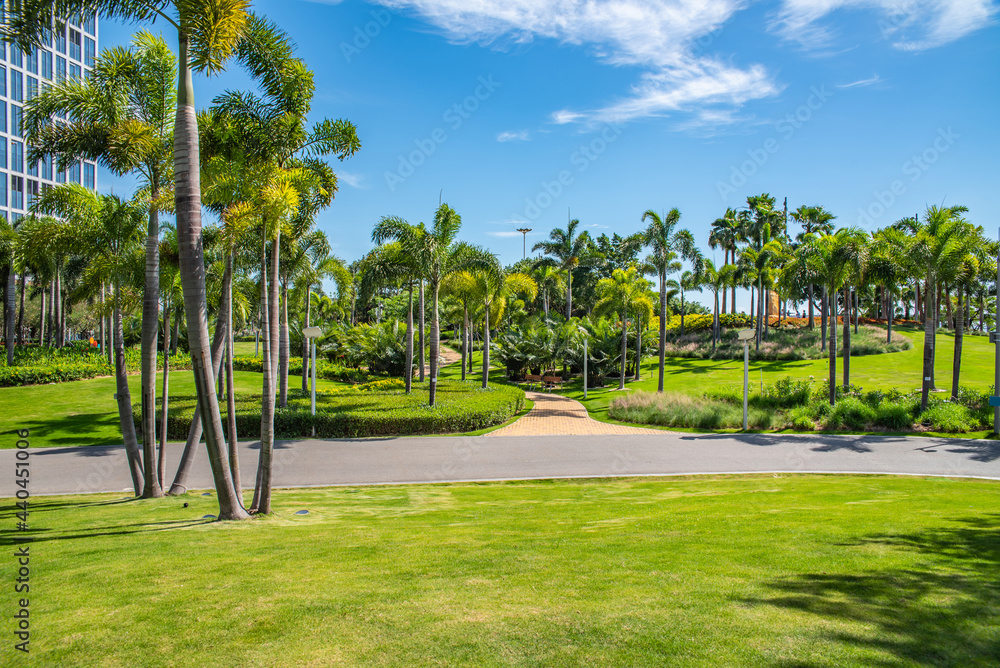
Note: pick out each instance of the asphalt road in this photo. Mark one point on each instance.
(439, 459)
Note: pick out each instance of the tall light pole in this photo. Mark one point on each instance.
(995, 335)
(745, 336)
(312, 333)
(524, 236)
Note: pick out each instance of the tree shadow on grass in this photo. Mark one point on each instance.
(944, 611)
(79, 427)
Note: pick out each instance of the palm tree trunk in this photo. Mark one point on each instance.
(161, 462)
(436, 343)
(420, 334)
(949, 312)
(725, 261)
(305, 343)
(177, 333)
(832, 348)
(284, 352)
(231, 434)
(124, 399)
(812, 319)
(187, 198)
(638, 344)
(621, 379)
(857, 308)
(823, 320)
(569, 293)
(20, 312)
(927, 382)
(959, 336)
(42, 314)
(150, 325)
(715, 319)
(847, 337)
(10, 310)
(409, 341)
(262, 490)
(890, 314)
(486, 346)
(465, 337)
(663, 327)
(760, 313)
(732, 301)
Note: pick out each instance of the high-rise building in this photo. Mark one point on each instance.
(69, 52)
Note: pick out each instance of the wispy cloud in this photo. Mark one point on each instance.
(910, 25)
(353, 180)
(519, 135)
(861, 83)
(504, 233)
(657, 36)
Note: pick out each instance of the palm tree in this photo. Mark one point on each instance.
(667, 243)
(493, 285)
(548, 278)
(437, 255)
(122, 117)
(833, 257)
(624, 293)
(567, 250)
(9, 259)
(391, 264)
(111, 228)
(726, 234)
(965, 272)
(463, 287)
(717, 280)
(814, 220)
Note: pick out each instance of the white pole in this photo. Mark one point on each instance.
(746, 380)
(585, 368)
(996, 374)
(314, 383)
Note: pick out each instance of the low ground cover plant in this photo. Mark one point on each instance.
(802, 405)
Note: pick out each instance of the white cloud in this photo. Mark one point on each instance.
(504, 233)
(353, 180)
(911, 25)
(658, 36)
(519, 135)
(861, 83)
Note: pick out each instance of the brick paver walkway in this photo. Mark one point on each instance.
(554, 415)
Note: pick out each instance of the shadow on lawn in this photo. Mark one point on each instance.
(676, 365)
(943, 612)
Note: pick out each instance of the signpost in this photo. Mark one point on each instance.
(745, 335)
(313, 333)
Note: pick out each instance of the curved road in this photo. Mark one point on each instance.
(438, 459)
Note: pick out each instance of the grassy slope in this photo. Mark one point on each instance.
(901, 370)
(792, 571)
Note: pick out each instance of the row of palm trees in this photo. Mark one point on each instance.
(251, 158)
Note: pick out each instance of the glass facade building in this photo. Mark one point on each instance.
(69, 52)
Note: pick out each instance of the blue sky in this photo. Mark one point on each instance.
(523, 110)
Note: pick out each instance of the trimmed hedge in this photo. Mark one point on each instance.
(324, 369)
(39, 366)
(365, 411)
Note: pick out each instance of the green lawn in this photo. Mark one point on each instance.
(893, 370)
(720, 571)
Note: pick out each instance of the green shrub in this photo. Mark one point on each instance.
(801, 418)
(324, 369)
(673, 409)
(359, 412)
(949, 418)
(894, 415)
(850, 412)
(34, 365)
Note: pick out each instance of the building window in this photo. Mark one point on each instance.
(74, 44)
(3, 116)
(16, 192)
(89, 175)
(89, 51)
(74, 172)
(60, 176)
(33, 168)
(16, 116)
(3, 81)
(3, 152)
(90, 23)
(31, 60)
(3, 189)
(61, 40)
(16, 57)
(74, 71)
(60, 69)
(47, 161)
(47, 64)
(17, 157)
(16, 86)
(32, 91)
(32, 194)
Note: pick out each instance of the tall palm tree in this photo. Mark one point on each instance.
(833, 257)
(122, 116)
(725, 234)
(717, 280)
(438, 254)
(625, 292)
(493, 285)
(548, 278)
(667, 244)
(814, 220)
(111, 229)
(567, 250)
(390, 264)
(463, 286)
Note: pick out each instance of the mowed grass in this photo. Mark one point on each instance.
(900, 370)
(721, 571)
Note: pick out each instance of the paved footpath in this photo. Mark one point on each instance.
(433, 459)
(561, 416)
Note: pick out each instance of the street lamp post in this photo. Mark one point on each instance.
(745, 335)
(312, 333)
(524, 238)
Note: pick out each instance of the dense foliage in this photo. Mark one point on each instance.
(40, 365)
